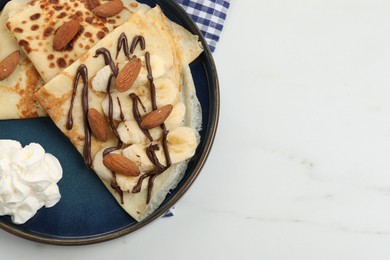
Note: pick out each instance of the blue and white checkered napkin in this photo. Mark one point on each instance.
(209, 15)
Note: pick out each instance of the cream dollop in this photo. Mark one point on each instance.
(28, 180)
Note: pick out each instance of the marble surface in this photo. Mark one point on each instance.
(300, 167)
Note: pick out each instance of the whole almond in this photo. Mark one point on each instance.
(156, 117)
(98, 124)
(8, 64)
(120, 164)
(128, 75)
(65, 33)
(108, 9)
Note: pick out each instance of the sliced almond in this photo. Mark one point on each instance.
(120, 164)
(156, 117)
(98, 124)
(8, 64)
(127, 76)
(108, 9)
(65, 33)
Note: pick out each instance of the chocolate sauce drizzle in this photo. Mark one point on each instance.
(107, 59)
(151, 82)
(137, 40)
(82, 72)
(123, 43)
(120, 110)
(115, 186)
(150, 152)
(111, 121)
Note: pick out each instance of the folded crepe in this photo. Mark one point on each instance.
(112, 104)
(16, 91)
(34, 28)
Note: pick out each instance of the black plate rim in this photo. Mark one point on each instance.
(213, 118)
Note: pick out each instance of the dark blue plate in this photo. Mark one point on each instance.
(87, 213)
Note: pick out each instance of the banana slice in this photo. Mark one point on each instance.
(182, 143)
(103, 172)
(99, 82)
(131, 133)
(137, 153)
(126, 104)
(166, 93)
(126, 183)
(159, 67)
(175, 119)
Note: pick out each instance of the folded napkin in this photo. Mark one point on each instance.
(209, 15)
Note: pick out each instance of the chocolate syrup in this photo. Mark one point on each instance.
(111, 121)
(116, 187)
(150, 151)
(107, 59)
(137, 40)
(120, 109)
(123, 43)
(82, 72)
(151, 82)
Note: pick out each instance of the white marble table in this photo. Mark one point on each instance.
(300, 168)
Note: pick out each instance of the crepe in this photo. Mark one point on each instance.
(16, 91)
(35, 25)
(165, 59)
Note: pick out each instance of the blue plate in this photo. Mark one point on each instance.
(87, 213)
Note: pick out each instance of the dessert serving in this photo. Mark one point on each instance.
(119, 86)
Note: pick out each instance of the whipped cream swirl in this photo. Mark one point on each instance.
(28, 180)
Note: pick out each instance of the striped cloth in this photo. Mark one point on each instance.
(209, 15)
